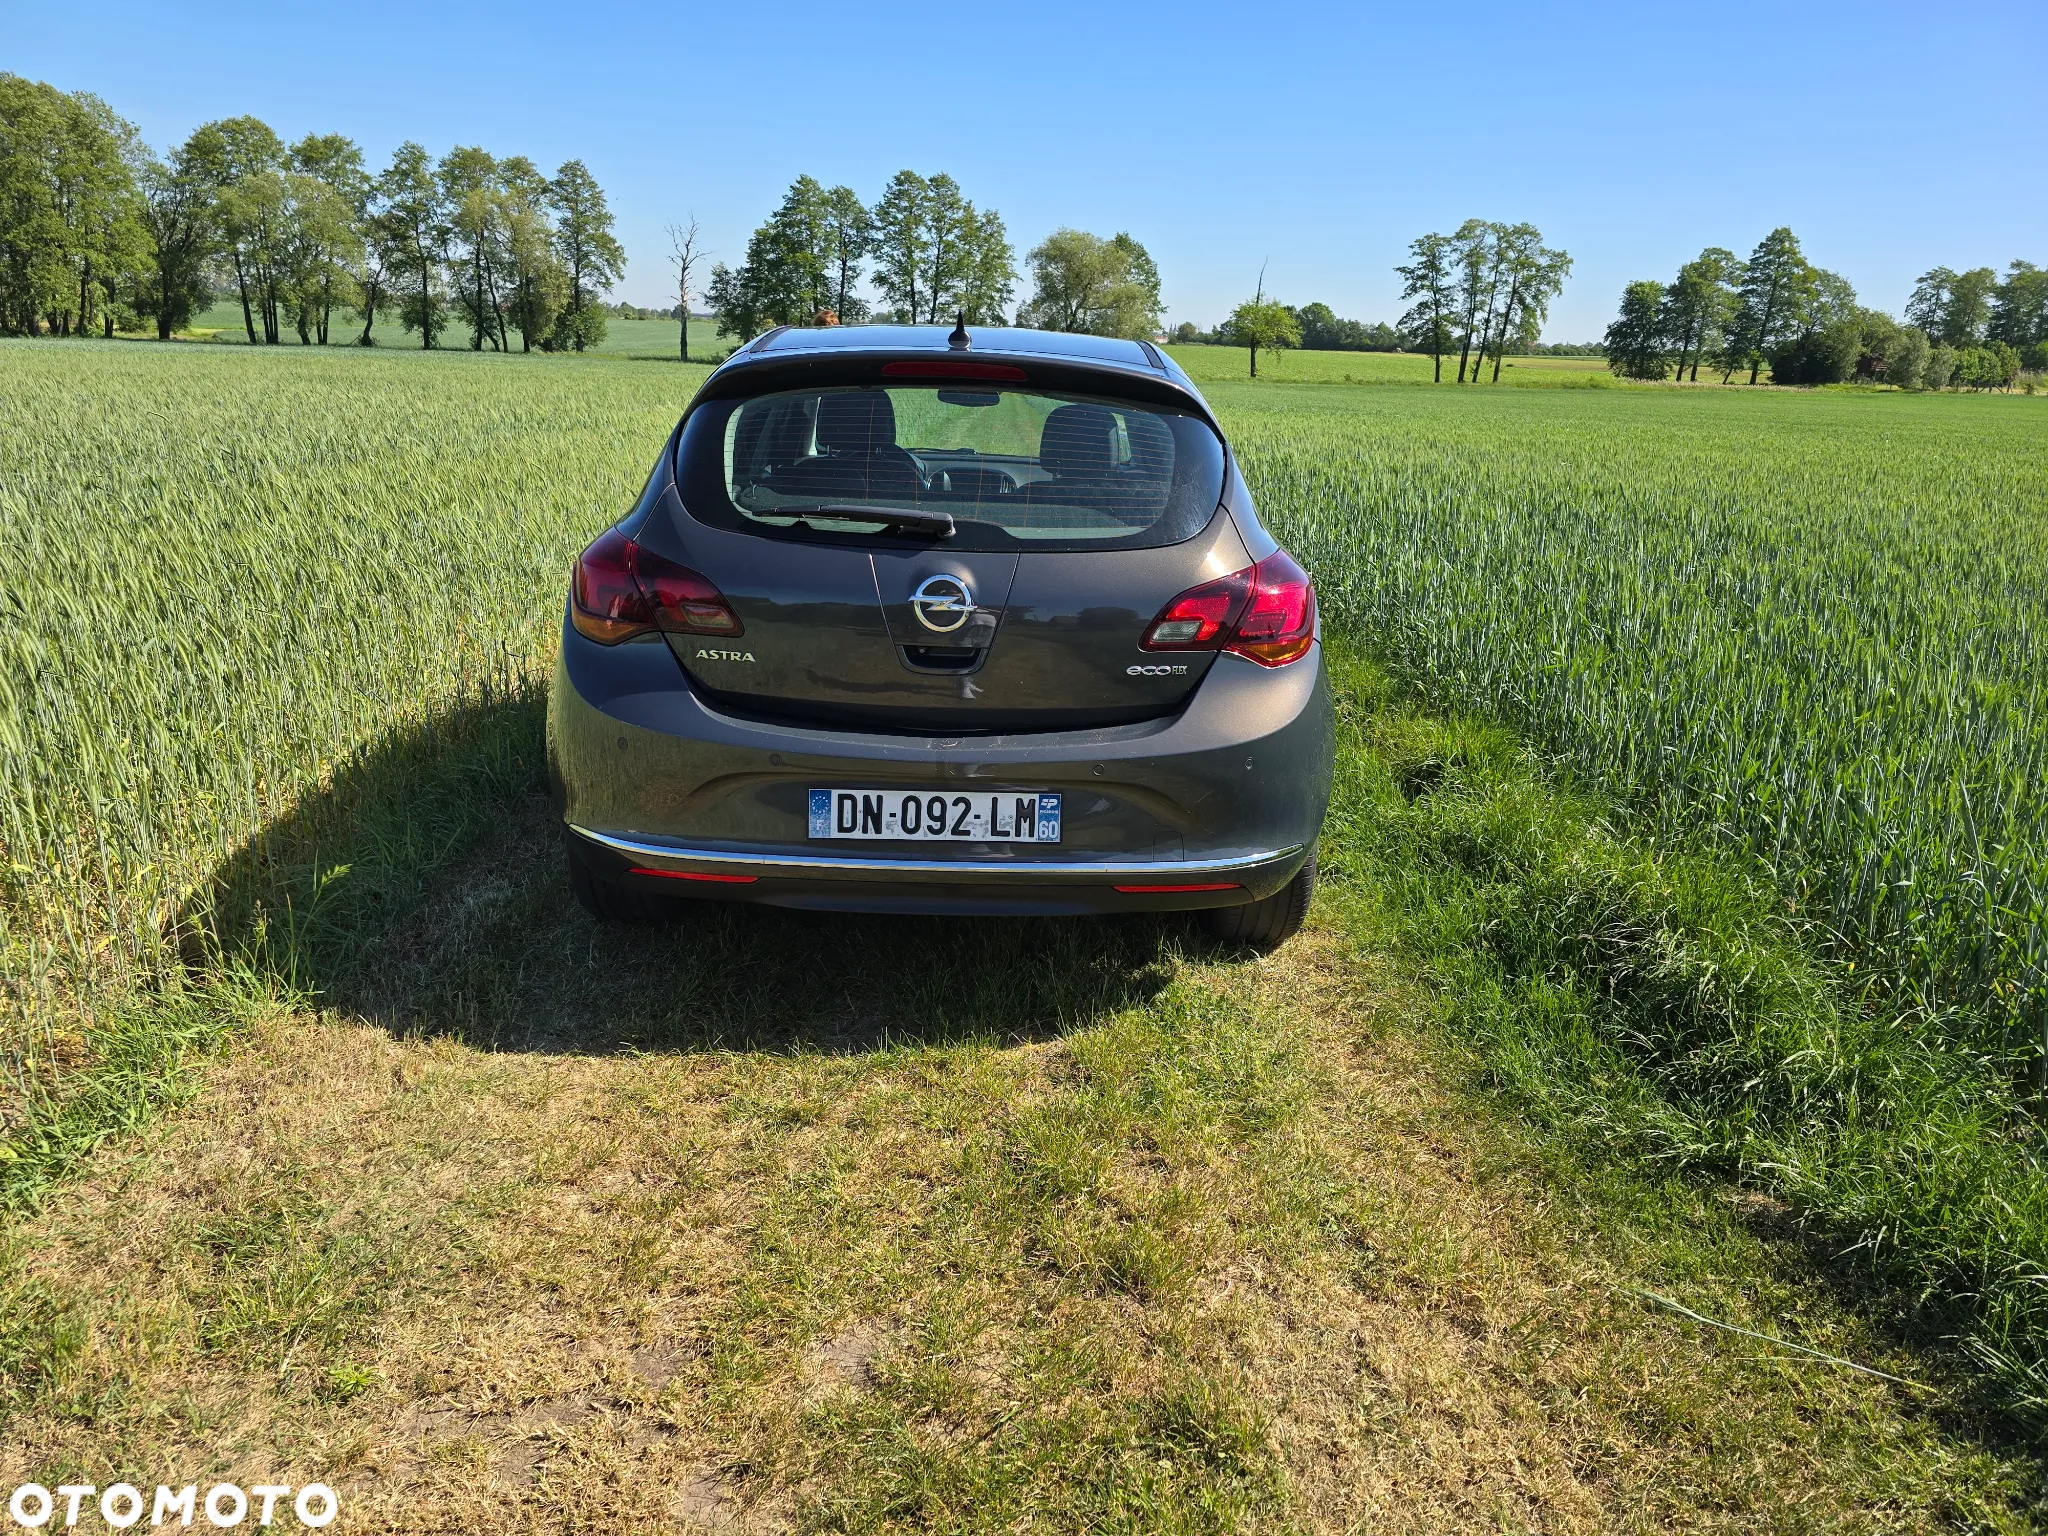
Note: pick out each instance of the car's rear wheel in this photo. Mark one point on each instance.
(610, 900)
(1268, 923)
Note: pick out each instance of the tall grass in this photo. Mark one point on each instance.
(1817, 626)
(1657, 1006)
(222, 573)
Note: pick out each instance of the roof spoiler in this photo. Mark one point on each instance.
(753, 371)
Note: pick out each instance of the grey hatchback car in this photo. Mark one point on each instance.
(961, 624)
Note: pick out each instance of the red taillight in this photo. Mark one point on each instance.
(1265, 612)
(1279, 623)
(1200, 618)
(620, 590)
(605, 603)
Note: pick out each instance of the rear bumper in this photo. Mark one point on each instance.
(966, 887)
(651, 775)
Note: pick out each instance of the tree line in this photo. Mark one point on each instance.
(1777, 309)
(100, 234)
(929, 253)
(1320, 328)
(1483, 291)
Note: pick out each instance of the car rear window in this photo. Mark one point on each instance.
(1015, 468)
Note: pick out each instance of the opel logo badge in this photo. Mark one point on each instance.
(942, 603)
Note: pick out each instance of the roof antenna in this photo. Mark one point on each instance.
(959, 341)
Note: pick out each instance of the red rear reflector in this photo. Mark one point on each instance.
(619, 590)
(952, 368)
(1135, 890)
(1265, 612)
(696, 874)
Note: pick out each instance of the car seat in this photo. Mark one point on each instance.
(857, 455)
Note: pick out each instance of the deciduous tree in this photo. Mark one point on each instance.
(473, 192)
(1082, 282)
(322, 242)
(71, 233)
(1929, 303)
(1953, 307)
(1906, 362)
(848, 232)
(2019, 314)
(1879, 336)
(1637, 339)
(1430, 281)
(1993, 366)
(1699, 305)
(32, 277)
(539, 287)
(787, 277)
(1528, 276)
(332, 246)
(683, 255)
(592, 259)
(179, 225)
(251, 213)
(414, 223)
(1941, 366)
(1475, 248)
(1772, 303)
(1828, 340)
(1262, 322)
(1324, 330)
(901, 236)
(989, 275)
(94, 187)
(948, 243)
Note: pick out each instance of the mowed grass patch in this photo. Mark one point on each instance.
(967, 1226)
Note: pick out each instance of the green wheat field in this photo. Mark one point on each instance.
(1802, 637)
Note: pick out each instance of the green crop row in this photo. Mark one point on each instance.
(1816, 626)
(222, 573)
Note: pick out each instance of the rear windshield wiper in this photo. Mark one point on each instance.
(938, 524)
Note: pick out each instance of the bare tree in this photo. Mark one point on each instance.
(683, 255)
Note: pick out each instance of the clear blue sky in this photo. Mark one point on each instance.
(1317, 139)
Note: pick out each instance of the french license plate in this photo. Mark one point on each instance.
(929, 816)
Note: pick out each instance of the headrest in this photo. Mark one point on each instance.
(1079, 441)
(855, 421)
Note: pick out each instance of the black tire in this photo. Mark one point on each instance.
(610, 901)
(1266, 924)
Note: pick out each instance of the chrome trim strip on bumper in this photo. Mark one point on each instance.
(799, 866)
